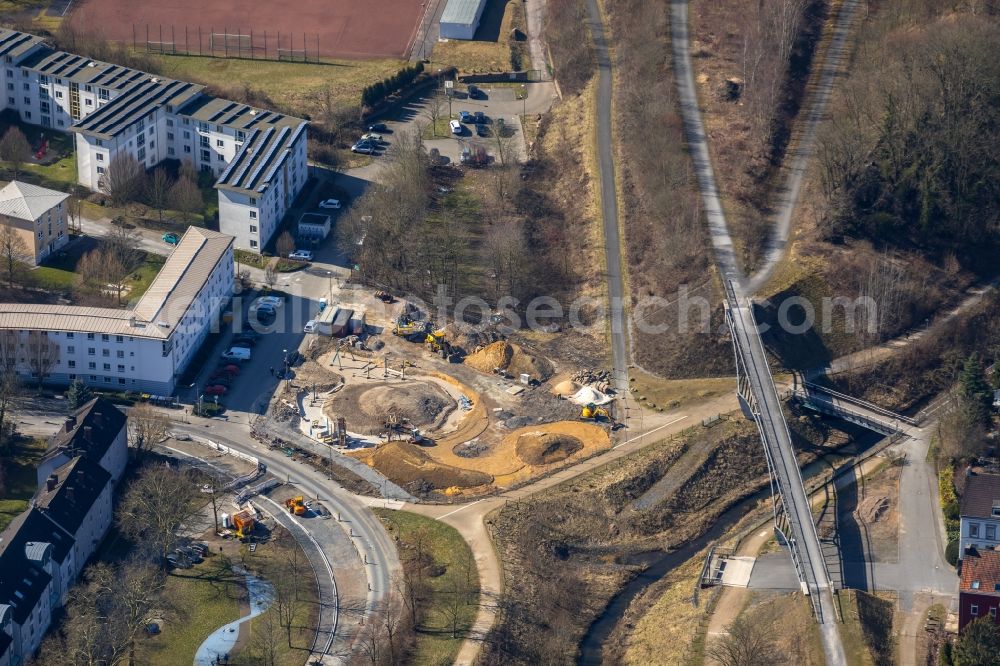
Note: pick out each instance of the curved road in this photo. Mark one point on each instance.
(694, 131)
(373, 544)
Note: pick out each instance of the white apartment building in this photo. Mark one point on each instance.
(979, 514)
(143, 349)
(258, 157)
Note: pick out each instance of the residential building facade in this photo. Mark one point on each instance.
(145, 348)
(979, 591)
(44, 549)
(257, 157)
(979, 524)
(37, 215)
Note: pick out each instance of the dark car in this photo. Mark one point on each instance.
(244, 341)
(480, 118)
(476, 93)
(482, 130)
(377, 127)
(202, 548)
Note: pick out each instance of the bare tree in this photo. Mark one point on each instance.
(453, 609)
(9, 387)
(264, 639)
(270, 277)
(15, 149)
(746, 643)
(155, 505)
(74, 211)
(436, 105)
(14, 253)
(286, 601)
(158, 190)
(146, 427)
(43, 353)
(285, 244)
(102, 270)
(186, 197)
(123, 180)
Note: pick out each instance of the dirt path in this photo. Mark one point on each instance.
(732, 600)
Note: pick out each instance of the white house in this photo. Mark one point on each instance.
(980, 513)
(142, 349)
(98, 430)
(460, 18)
(113, 109)
(37, 215)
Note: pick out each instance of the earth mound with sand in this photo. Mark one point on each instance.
(566, 388)
(423, 404)
(511, 359)
(412, 468)
(545, 448)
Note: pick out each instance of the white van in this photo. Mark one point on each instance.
(237, 354)
(456, 127)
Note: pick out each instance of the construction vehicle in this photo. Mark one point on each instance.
(592, 412)
(296, 505)
(437, 343)
(384, 296)
(409, 328)
(243, 522)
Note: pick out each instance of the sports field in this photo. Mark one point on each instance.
(273, 29)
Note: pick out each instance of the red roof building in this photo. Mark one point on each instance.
(979, 592)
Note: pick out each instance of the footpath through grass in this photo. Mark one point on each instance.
(449, 571)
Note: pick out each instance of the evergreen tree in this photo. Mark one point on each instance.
(78, 395)
(979, 644)
(976, 392)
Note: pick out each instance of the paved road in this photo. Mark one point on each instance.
(363, 530)
(609, 200)
(150, 241)
(695, 133)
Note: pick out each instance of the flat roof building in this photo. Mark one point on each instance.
(460, 18)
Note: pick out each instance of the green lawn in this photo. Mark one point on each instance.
(434, 642)
(143, 276)
(200, 606)
(60, 275)
(21, 482)
(296, 86)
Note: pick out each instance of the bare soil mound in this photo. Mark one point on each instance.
(413, 469)
(545, 448)
(566, 388)
(367, 409)
(512, 359)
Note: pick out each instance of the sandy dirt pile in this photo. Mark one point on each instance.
(545, 448)
(423, 404)
(510, 358)
(407, 465)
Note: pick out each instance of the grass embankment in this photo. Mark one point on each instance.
(300, 86)
(200, 603)
(493, 50)
(455, 591)
(20, 481)
(657, 393)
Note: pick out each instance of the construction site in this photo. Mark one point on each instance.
(450, 411)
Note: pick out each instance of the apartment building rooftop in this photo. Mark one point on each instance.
(68, 495)
(14, 44)
(27, 202)
(89, 431)
(158, 311)
(81, 70)
(981, 498)
(262, 154)
(144, 97)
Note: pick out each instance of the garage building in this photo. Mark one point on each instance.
(461, 18)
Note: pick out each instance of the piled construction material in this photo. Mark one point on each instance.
(590, 396)
(511, 359)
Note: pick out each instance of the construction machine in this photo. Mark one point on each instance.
(296, 505)
(592, 412)
(409, 328)
(438, 344)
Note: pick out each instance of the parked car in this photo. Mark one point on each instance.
(269, 301)
(243, 341)
(310, 326)
(364, 147)
(301, 255)
(480, 118)
(329, 203)
(177, 562)
(201, 547)
(483, 130)
(171, 238)
(456, 127)
(476, 93)
(465, 117)
(236, 354)
(372, 137)
(377, 127)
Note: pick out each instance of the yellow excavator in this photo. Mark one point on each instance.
(296, 505)
(408, 328)
(592, 412)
